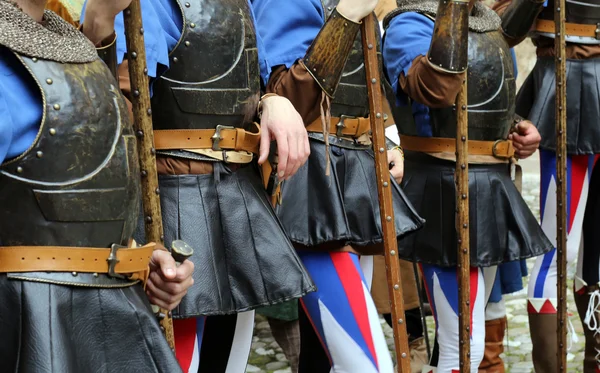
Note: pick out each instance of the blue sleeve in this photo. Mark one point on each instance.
(514, 58)
(163, 23)
(408, 36)
(287, 28)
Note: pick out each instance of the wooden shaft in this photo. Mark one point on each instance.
(462, 228)
(561, 181)
(142, 114)
(385, 192)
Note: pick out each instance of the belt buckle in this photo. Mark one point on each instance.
(113, 261)
(217, 137)
(494, 150)
(340, 126)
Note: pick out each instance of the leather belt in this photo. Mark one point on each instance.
(502, 149)
(344, 126)
(571, 29)
(118, 261)
(220, 138)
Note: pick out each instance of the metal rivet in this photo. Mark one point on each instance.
(385, 184)
(34, 59)
(56, 107)
(19, 169)
(142, 31)
(192, 25)
(52, 131)
(400, 321)
(396, 286)
(95, 274)
(134, 55)
(136, 93)
(464, 138)
(381, 150)
(378, 115)
(404, 354)
(157, 191)
(463, 166)
(140, 133)
(145, 70)
(464, 107)
(345, 23)
(464, 196)
(39, 154)
(388, 218)
(49, 81)
(373, 80)
(465, 226)
(175, 59)
(329, 8)
(393, 252)
(149, 112)
(187, 43)
(144, 173)
(370, 46)
(74, 274)
(187, 5)
(148, 219)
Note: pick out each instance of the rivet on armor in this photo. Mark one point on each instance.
(34, 59)
(558, 9)
(49, 81)
(20, 169)
(152, 151)
(142, 31)
(145, 70)
(96, 274)
(74, 274)
(136, 93)
(396, 286)
(149, 111)
(464, 138)
(144, 173)
(187, 43)
(465, 226)
(378, 115)
(187, 5)
(388, 218)
(370, 46)
(345, 24)
(385, 184)
(134, 55)
(192, 25)
(56, 107)
(464, 196)
(148, 219)
(403, 354)
(393, 252)
(464, 107)
(52, 131)
(400, 321)
(463, 166)
(128, 12)
(329, 8)
(381, 150)
(373, 80)
(175, 59)
(465, 251)
(157, 191)
(140, 133)
(39, 154)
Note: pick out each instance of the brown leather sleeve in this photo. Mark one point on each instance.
(298, 86)
(429, 86)
(499, 7)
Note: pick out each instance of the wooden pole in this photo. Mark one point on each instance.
(142, 113)
(561, 180)
(462, 228)
(385, 193)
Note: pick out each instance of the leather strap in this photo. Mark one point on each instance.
(73, 259)
(343, 127)
(572, 29)
(502, 149)
(222, 138)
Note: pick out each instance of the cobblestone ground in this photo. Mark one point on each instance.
(267, 357)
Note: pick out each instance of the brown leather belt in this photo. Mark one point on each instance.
(571, 29)
(343, 126)
(221, 138)
(118, 261)
(502, 149)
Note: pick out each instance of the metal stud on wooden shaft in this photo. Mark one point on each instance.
(384, 191)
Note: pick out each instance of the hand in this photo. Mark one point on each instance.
(168, 283)
(397, 171)
(281, 122)
(356, 10)
(99, 20)
(526, 139)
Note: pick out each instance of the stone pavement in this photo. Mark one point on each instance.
(267, 357)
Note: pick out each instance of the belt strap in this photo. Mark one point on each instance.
(221, 138)
(343, 126)
(115, 261)
(500, 149)
(571, 29)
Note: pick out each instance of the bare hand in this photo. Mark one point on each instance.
(356, 10)
(281, 122)
(99, 20)
(526, 139)
(397, 171)
(168, 283)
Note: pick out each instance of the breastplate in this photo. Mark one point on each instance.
(77, 185)
(214, 76)
(351, 97)
(585, 12)
(491, 93)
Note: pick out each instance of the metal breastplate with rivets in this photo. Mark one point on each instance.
(585, 12)
(214, 76)
(491, 93)
(351, 96)
(77, 185)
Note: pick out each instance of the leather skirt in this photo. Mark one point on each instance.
(243, 259)
(536, 102)
(343, 208)
(502, 227)
(48, 328)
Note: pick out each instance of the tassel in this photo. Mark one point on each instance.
(326, 122)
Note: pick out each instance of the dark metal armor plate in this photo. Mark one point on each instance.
(214, 76)
(491, 93)
(77, 185)
(351, 97)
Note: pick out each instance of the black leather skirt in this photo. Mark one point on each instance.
(242, 257)
(536, 102)
(502, 227)
(49, 328)
(341, 208)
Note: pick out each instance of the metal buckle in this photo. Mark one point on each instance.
(494, 151)
(113, 260)
(217, 137)
(340, 126)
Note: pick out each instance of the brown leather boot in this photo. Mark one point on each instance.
(494, 339)
(542, 327)
(592, 342)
